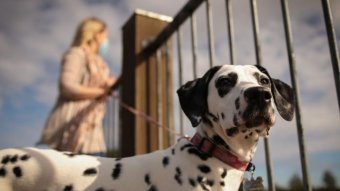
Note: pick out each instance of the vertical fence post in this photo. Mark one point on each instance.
(255, 22)
(138, 83)
(111, 121)
(210, 34)
(180, 75)
(159, 97)
(230, 29)
(256, 30)
(332, 46)
(291, 59)
(194, 44)
(169, 91)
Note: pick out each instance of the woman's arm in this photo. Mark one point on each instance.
(72, 69)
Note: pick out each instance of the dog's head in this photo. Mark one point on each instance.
(236, 96)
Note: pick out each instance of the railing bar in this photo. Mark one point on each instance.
(106, 124)
(271, 185)
(255, 22)
(180, 17)
(256, 31)
(210, 33)
(110, 124)
(117, 124)
(159, 97)
(114, 121)
(291, 59)
(179, 49)
(332, 46)
(230, 29)
(193, 28)
(169, 92)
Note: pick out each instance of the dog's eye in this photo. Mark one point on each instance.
(225, 82)
(264, 81)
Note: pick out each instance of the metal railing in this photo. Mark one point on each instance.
(188, 12)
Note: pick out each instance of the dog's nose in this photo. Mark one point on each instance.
(257, 95)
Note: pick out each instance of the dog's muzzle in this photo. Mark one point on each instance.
(258, 110)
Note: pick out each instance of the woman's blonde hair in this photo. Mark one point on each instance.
(86, 31)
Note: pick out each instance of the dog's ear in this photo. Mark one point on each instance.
(193, 97)
(283, 96)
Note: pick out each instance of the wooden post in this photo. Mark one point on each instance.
(139, 84)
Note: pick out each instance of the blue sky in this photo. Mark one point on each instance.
(35, 33)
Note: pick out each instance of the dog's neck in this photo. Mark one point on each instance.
(240, 142)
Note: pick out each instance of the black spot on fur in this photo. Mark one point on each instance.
(14, 159)
(222, 183)
(117, 171)
(237, 103)
(186, 146)
(5, 159)
(192, 182)
(147, 179)
(225, 83)
(68, 188)
(210, 183)
(214, 117)
(25, 157)
(222, 115)
(178, 176)
(17, 172)
(100, 189)
(90, 172)
(232, 131)
(165, 161)
(173, 151)
(201, 183)
(246, 137)
(236, 123)
(204, 168)
(199, 179)
(198, 153)
(3, 172)
(70, 154)
(224, 173)
(153, 188)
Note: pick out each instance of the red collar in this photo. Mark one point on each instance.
(207, 146)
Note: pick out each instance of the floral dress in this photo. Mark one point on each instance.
(76, 125)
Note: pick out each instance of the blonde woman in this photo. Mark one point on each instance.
(75, 123)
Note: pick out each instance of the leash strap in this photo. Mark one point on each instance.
(143, 115)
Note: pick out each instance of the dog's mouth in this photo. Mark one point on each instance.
(255, 116)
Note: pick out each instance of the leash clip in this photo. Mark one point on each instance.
(252, 184)
(251, 168)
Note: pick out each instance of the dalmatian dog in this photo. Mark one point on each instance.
(231, 108)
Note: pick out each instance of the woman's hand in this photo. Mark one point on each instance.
(110, 81)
